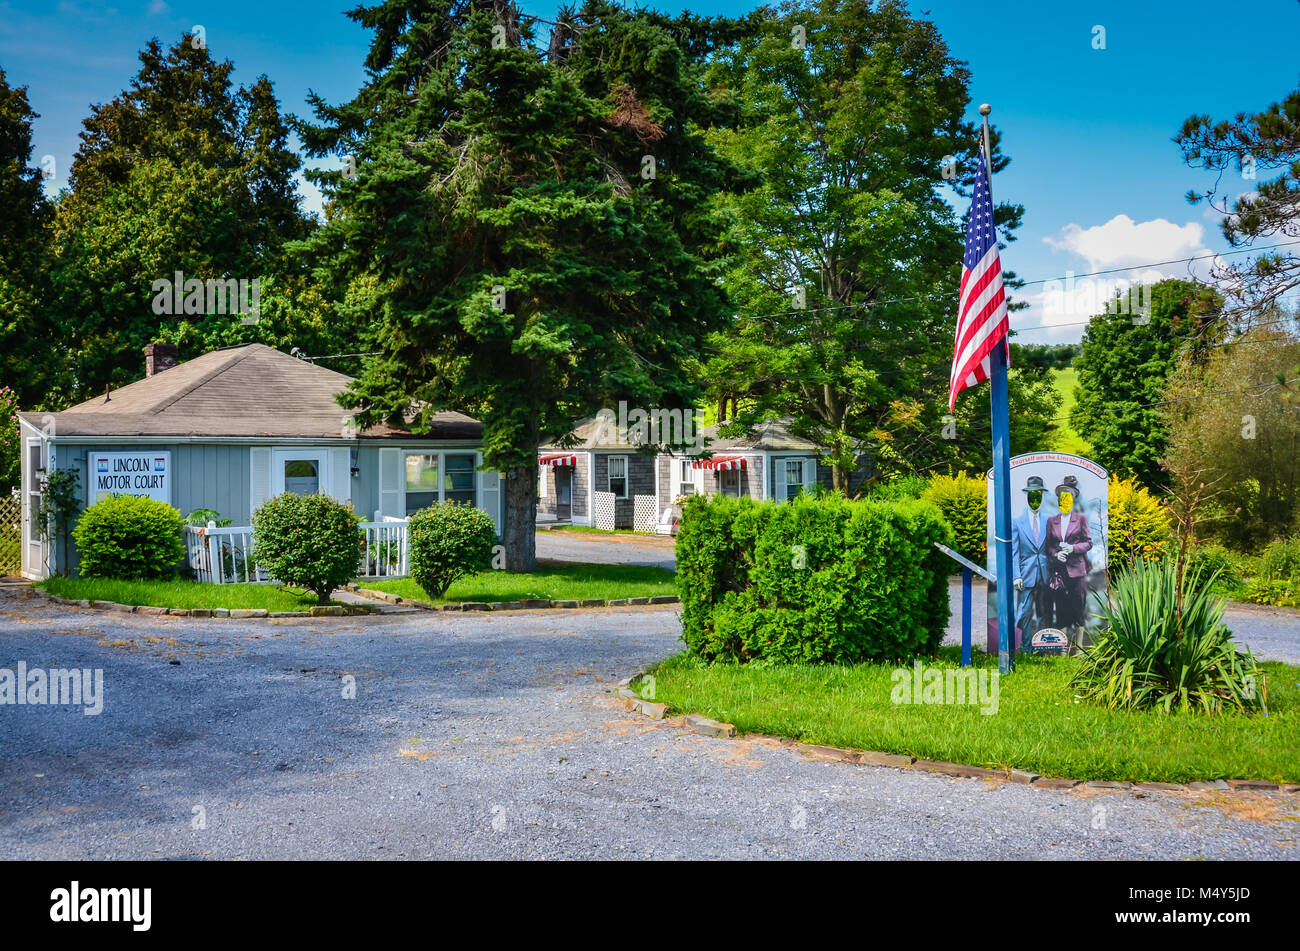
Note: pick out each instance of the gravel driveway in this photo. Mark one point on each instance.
(478, 736)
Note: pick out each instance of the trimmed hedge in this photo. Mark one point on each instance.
(964, 501)
(446, 542)
(307, 541)
(818, 579)
(1138, 525)
(128, 536)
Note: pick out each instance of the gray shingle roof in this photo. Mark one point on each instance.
(772, 435)
(250, 391)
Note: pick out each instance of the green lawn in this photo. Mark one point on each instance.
(1038, 725)
(1066, 439)
(181, 594)
(560, 582)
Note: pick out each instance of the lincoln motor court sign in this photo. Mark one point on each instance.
(128, 473)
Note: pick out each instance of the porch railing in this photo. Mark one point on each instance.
(224, 555)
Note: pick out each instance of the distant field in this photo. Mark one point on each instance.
(1067, 440)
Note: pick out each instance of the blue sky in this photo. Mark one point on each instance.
(1088, 130)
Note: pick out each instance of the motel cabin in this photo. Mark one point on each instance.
(594, 478)
(767, 463)
(232, 428)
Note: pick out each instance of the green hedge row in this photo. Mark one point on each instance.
(818, 579)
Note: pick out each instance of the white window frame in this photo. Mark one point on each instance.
(780, 476)
(685, 477)
(726, 476)
(318, 455)
(609, 476)
(442, 455)
(798, 480)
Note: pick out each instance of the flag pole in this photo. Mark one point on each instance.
(1001, 420)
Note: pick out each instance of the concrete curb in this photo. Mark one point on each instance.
(533, 604)
(333, 610)
(706, 727)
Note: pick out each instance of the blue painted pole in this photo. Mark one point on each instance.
(1002, 512)
(965, 616)
(1001, 420)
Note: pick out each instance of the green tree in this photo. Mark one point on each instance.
(1235, 420)
(11, 456)
(533, 222)
(25, 344)
(181, 172)
(1254, 145)
(1124, 367)
(852, 121)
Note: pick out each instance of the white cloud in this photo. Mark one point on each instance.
(1062, 307)
(1123, 242)
(159, 7)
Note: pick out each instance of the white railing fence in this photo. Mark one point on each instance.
(383, 549)
(225, 555)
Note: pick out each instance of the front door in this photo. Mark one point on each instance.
(34, 551)
(299, 471)
(563, 493)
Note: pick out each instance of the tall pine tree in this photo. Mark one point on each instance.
(181, 172)
(24, 219)
(854, 120)
(533, 218)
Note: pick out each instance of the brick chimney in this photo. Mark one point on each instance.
(159, 357)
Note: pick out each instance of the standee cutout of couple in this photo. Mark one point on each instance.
(1049, 556)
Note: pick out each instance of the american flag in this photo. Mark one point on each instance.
(982, 305)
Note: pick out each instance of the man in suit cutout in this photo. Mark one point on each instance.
(1068, 542)
(1029, 563)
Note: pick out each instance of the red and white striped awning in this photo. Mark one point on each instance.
(721, 463)
(557, 460)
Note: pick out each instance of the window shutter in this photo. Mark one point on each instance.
(809, 474)
(390, 482)
(778, 479)
(698, 476)
(489, 493)
(259, 466)
(340, 475)
(541, 481)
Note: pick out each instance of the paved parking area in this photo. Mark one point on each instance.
(479, 736)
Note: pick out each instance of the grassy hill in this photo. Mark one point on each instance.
(1066, 439)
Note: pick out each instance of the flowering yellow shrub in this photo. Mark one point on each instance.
(1139, 526)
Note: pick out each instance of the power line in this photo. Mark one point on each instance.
(1265, 387)
(1069, 276)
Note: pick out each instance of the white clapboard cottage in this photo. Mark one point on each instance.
(232, 428)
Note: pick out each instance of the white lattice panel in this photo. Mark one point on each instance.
(603, 517)
(644, 516)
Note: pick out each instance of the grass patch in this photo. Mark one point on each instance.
(1039, 726)
(180, 594)
(1065, 438)
(557, 582)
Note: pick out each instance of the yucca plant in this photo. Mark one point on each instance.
(1157, 653)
